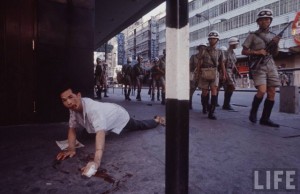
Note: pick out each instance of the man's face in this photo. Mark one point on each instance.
(234, 46)
(264, 23)
(71, 101)
(212, 41)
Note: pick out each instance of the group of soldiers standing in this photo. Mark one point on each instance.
(211, 68)
(133, 76)
(101, 78)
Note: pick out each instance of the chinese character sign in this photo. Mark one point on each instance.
(121, 49)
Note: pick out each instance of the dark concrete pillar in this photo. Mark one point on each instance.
(64, 50)
(177, 97)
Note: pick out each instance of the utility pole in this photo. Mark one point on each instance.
(177, 97)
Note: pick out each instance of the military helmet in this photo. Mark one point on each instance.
(265, 13)
(214, 34)
(201, 45)
(233, 41)
(129, 59)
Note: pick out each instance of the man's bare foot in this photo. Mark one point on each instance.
(161, 120)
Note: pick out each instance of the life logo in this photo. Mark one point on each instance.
(296, 29)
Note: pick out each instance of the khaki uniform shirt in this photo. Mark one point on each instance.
(264, 73)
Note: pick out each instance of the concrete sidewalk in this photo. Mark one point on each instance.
(223, 153)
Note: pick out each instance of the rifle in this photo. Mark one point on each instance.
(269, 47)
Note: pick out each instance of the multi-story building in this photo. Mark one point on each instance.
(142, 39)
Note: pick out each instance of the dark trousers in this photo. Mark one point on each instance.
(134, 125)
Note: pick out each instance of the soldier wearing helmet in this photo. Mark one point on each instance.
(193, 77)
(98, 77)
(138, 76)
(210, 60)
(221, 81)
(162, 67)
(265, 75)
(127, 80)
(156, 79)
(229, 84)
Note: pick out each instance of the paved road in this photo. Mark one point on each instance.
(222, 156)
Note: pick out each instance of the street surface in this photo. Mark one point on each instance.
(223, 153)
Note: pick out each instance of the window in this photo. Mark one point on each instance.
(283, 6)
(223, 8)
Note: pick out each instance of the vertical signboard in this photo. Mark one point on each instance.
(121, 49)
(153, 46)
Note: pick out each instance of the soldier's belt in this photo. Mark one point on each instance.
(208, 66)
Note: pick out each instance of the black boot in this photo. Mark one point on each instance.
(99, 92)
(125, 93)
(253, 112)
(105, 95)
(191, 100)
(138, 97)
(217, 103)
(265, 117)
(204, 102)
(128, 94)
(191, 97)
(211, 114)
(191, 103)
(152, 98)
(157, 96)
(163, 98)
(227, 98)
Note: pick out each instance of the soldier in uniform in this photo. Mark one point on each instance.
(194, 78)
(104, 78)
(156, 74)
(221, 81)
(265, 75)
(229, 84)
(211, 58)
(138, 76)
(98, 74)
(126, 71)
(162, 67)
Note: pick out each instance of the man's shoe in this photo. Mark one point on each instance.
(227, 108)
(268, 123)
(252, 117)
(212, 116)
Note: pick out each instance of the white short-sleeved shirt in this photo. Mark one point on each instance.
(99, 116)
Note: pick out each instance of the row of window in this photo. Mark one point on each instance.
(219, 9)
(279, 8)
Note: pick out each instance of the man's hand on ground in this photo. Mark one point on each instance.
(90, 169)
(64, 154)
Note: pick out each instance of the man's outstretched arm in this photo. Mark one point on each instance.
(99, 149)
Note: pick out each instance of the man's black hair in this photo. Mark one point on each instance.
(65, 85)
